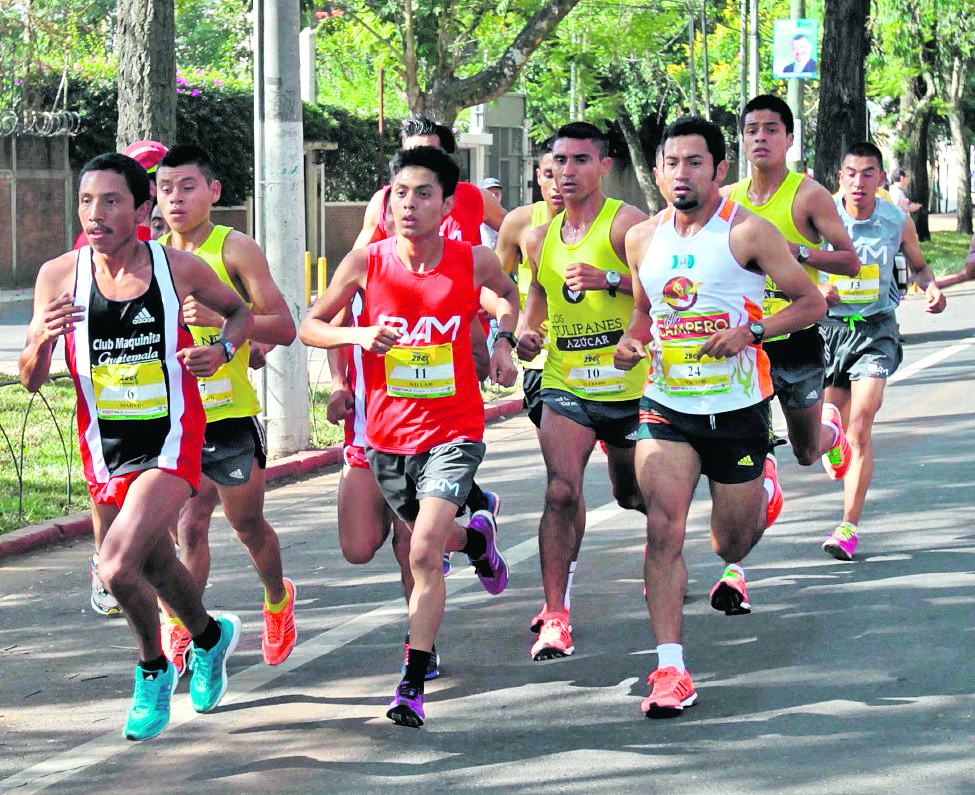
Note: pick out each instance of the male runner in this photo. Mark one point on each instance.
(803, 211)
(581, 289)
(116, 302)
(424, 412)
(699, 270)
(863, 347)
(234, 453)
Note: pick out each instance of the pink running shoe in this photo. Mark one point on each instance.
(837, 460)
(730, 595)
(776, 500)
(842, 542)
(672, 690)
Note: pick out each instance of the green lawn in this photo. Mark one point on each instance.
(946, 252)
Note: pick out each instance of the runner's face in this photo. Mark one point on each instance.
(184, 196)
(859, 178)
(107, 211)
(578, 168)
(689, 173)
(765, 138)
(545, 174)
(157, 224)
(416, 203)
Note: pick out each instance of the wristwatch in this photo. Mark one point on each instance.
(613, 280)
(757, 328)
(509, 337)
(803, 254)
(229, 349)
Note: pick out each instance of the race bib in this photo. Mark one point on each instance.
(592, 372)
(864, 288)
(216, 390)
(686, 375)
(130, 391)
(426, 371)
(772, 304)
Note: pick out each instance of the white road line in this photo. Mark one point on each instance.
(929, 361)
(39, 777)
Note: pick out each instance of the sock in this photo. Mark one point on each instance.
(209, 638)
(834, 426)
(152, 668)
(416, 667)
(476, 501)
(769, 487)
(736, 567)
(670, 655)
(277, 608)
(568, 586)
(476, 544)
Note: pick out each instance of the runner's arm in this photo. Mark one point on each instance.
(536, 303)
(508, 247)
(370, 220)
(632, 347)
(842, 259)
(488, 273)
(493, 211)
(967, 273)
(911, 247)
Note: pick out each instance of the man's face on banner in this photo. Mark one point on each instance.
(801, 49)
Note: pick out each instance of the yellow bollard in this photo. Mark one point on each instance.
(308, 278)
(322, 270)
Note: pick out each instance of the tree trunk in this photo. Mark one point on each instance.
(842, 94)
(916, 155)
(960, 143)
(644, 175)
(146, 34)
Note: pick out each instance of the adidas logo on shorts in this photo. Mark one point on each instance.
(746, 462)
(143, 317)
(236, 474)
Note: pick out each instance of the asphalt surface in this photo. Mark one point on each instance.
(846, 678)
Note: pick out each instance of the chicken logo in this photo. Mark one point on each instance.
(680, 293)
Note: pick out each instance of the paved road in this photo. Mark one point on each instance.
(846, 678)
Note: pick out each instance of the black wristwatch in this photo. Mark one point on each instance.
(509, 336)
(229, 349)
(613, 280)
(757, 328)
(803, 254)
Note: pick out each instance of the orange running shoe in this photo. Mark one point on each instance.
(730, 594)
(776, 500)
(554, 640)
(672, 690)
(280, 633)
(176, 641)
(837, 460)
(539, 619)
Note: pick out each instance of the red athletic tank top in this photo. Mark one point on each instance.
(462, 223)
(424, 391)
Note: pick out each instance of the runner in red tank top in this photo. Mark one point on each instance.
(420, 382)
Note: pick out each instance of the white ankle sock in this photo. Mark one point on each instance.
(568, 586)
(670, 655)
(736, 567)
(833, 425)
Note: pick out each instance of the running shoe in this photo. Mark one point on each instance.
(554, 640)
(149, 713)
(102, 602)
(491, 568)
(280, 633)
(837, 460)
(433, 667)
(776, 500)
(209, 680)
(730, 595)
(539, 619)
(446, 563)
(494, 503)
(175, 641)
(671, 691)
(842, 542)
(406, 708)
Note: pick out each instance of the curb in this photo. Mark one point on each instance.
(78, 525)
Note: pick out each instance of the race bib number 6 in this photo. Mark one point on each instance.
(130, 391)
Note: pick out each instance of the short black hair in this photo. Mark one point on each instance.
(135, 175)
(800, 36)
(696, 125)
(899, 173)
(772, 103)
(544, 148)
(584, 131)
(438, 161)
(190, 155)
(419, 124)
(867, 149)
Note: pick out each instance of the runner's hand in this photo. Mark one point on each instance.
(202, 360)
(581, 276)
(725, 343)
(257, 354)
(340, 405)
(629, 353)
(529, 345)
(60, 317)
(830, 293)
(195, 314)
(378, 339)
(503, 371)
(935, 299)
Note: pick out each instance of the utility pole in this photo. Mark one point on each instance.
(286, 372)
(690, 51)
(753, 64)
(794, 97)
(705, 66)
(743, 80)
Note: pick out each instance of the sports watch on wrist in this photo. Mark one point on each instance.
(757, 328)
(803, 254)
(613, 280)
(229, 349)
(509, 337)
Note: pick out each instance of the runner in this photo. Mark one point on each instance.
(581, 289)
(117, 304)
(699, 272)
(803, 211)
(863, 347)
(424, 412)
(234, 454)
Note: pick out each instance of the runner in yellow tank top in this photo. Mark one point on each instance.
(804, 212)
(581, 288)
(233, 450)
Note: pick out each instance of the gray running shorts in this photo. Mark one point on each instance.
(613, 421)
(445, 471)
(871, 349)
(229, 449)
(798, 368)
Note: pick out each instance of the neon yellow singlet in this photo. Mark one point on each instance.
(583, 328)
(227, 393)
(539, 218)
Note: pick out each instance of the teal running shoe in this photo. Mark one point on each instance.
(209, 680)
(149, 713)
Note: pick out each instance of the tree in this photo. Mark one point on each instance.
(146, 35)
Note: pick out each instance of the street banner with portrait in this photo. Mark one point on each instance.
(795, 48)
